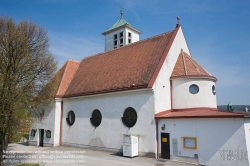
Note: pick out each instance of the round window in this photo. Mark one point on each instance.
(96, 118)
(194, 89)
(71, 118)
(129, 117)
(213, 90)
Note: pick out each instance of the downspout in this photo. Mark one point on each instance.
(171, 101)
(157, 147)
(60, 141)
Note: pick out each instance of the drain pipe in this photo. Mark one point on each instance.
(157, 150)
(171, 95)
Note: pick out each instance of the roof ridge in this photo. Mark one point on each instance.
(185, 67)
(195, 65)
(127, 45)
(73, 60)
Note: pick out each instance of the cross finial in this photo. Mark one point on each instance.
(121, 12)
(178, 20)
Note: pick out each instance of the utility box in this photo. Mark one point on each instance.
(130, 145)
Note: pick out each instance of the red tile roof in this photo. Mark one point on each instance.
(197, 113)
(66, 74)
(186, 66)
(132, 66)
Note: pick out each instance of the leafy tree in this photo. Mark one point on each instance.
(26, 68)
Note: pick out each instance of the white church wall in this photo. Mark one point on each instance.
(109, 134)
(134, 36)
(162, 84)
(182, 98)
(247, 136)
(49, 122)
(216, 139)
(109, 38)
(57, 120)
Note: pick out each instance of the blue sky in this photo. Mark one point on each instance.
(217, 32)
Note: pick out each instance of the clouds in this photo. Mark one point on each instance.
(66, 47)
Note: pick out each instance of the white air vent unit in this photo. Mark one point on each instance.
(130, 145)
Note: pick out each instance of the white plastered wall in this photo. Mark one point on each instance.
(50, 121)
(109, 38)
(162, 84)
(109, 134)
(247, 136)
(216, 139)
(182, 98)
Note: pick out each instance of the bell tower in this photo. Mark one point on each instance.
(120, 34)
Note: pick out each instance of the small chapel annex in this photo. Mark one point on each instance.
(152, 89)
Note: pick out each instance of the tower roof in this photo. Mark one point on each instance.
(121, 23)
(186, 66)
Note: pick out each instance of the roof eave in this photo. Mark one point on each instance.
(194, 76)
(105, 91)
(207, 116)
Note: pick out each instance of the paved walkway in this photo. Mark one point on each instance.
(53, 156)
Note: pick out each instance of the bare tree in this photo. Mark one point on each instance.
(26, 68)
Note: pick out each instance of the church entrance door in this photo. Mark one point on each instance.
(41, 137)
(165, 146)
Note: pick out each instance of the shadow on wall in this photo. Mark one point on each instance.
(221, 140)
(110, 106)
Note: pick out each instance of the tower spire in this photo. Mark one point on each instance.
(121, 12)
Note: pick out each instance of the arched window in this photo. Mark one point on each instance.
(96, 118)
(33, 132)
(48, 134)
(194, 89)
(70, 118)
(129, 117)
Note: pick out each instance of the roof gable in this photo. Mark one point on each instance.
(128, 67)
(186, 66)
(65, 75)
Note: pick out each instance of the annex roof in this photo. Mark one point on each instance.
(65, 75)
(186, 66)
(120, 24)
(129, 67)
(197, 113)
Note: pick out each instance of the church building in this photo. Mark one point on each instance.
(152, 89)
